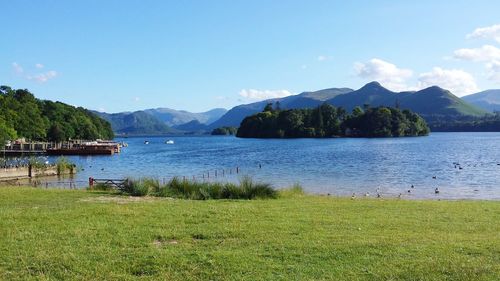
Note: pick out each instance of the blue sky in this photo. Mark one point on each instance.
(197, 55)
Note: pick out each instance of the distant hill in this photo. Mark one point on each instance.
(234, 116)
(192, 127)
(173, 117)
(488, 100)
(430, 103)
(136, 123)
(161, 121)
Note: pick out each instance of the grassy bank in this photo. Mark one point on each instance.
(62, 234)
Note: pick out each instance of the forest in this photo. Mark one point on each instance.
(327, 121)
(24, 116)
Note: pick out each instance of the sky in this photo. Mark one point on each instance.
(118, 56)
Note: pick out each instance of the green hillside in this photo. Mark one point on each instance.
(22, 115)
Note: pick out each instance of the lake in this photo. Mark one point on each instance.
(326, 166)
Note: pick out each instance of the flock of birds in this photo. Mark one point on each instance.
(456, 165)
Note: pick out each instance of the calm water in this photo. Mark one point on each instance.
(336, 166)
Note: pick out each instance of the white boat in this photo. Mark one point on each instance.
(146, 142)
(169, 142)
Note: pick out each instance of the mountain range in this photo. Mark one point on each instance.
(431, 103)
(489, 100)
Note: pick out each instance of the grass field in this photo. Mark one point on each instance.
(68, 235)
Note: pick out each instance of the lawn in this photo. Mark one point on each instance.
(68, 235)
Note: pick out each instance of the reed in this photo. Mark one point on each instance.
(188, 189)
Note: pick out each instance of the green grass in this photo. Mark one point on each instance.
(68, 235)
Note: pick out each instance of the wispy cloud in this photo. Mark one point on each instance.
(323, 58)
(17, 68)
(388, 74)
(43, 77)
(40, 77)
(457, 81)
(253, 94)
(489, 32)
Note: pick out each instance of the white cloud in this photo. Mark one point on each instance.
(323, 58)
(43, 77)
(253, 94)
(486, 53)
(17, 68)
(388, 74)
(457, 81)
(489, 32)
(493, 71)
(39, 65)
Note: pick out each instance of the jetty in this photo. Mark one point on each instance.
(71, 147)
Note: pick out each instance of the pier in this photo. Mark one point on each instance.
(72, 147)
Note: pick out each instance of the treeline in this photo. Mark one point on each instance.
(489, 123)
(328, 121)
(224, 131)
(24, 116)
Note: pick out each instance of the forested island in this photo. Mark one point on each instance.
(327, 121)
(224, 131)
(24, 116)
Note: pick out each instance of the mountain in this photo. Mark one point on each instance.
(193, 127)
(173, 117)
(136, 123)
(431, 103)
(233, 117)
(488, 100)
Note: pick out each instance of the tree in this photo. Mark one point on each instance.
(6, 133)
(268, 107)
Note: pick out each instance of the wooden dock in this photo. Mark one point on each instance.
(73, 147)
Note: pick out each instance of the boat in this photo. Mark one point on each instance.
(146, 142)
(169, 142)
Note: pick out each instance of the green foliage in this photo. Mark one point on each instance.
(246, 189)
(64, 166)
(22, 115)
(328, 121)
(488, 123)
(225, 131)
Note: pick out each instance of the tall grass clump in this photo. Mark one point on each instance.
(186, 189)
(295, 190)
(64, 166)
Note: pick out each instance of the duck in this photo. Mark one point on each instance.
(436, 190)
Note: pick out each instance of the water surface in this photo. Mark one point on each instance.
(336, 166)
